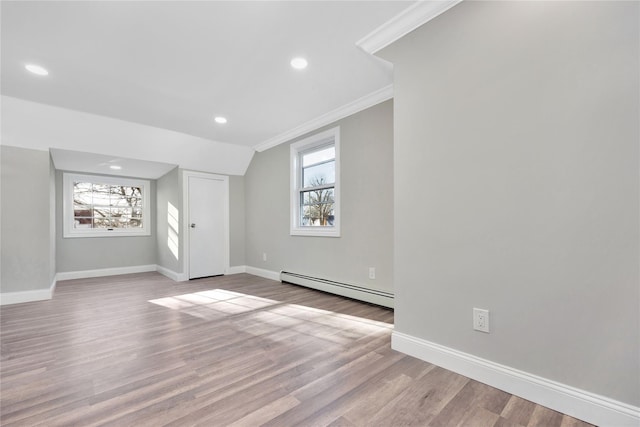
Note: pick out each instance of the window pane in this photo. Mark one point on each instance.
(319, 156)
(120, 216)
(102, 223)
(132, 223)
(315, 197)
(82, 193)
(118, 211)
(316, 208)
(126, 196)
(126, 202)
(101, 211)
(101, 194)
(80, 222)
(129, 192)
(117, 200)
(82, 211)
(322, 174)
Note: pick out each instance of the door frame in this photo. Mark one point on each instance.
(186, 174)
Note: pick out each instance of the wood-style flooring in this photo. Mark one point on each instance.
(142, 350)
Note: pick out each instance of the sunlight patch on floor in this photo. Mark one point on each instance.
(266, 315)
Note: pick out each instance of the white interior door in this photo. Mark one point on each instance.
(206, 226)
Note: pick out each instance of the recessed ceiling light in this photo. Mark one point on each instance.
(36, 69)
(299, 63)
(221, 120)
(115, 167)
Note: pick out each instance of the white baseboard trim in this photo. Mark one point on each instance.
(267, 274)
(7, 298)
(178, 277)
(237, 269)
(577, 403)
(68, 275)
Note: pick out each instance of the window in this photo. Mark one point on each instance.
(315, 185)
(105, 206)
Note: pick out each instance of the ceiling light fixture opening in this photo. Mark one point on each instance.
(299, 63)
(220, 120)
(37, 69)
(115, 167)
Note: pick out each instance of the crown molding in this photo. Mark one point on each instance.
(356, 106)
(406, 21)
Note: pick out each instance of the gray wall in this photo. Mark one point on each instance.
(366, 206)
(516, 187)
(236, 221)
(169, 191)
(91, 253)
(52, 221)
(25, 204)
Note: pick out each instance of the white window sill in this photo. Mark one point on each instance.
(316, 231)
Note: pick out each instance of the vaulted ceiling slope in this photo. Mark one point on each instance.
(175, 65)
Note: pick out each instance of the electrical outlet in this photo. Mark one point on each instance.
(481, 320)
(264, 256)
(372, 273)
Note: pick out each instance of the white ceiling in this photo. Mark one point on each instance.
(78, 161)
(175, 64)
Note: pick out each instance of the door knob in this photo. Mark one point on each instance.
(193, 225)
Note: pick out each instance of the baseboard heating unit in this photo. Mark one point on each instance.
(374, 296)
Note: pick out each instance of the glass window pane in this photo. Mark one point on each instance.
(82, 193)
(118, 211)
(120, 216)
(101, 194)
(102, 223)
(119, 200)
(124, 202)
(82, 211)
(126, 196)
(132, 223)
(314, 197)
(319, 156)
(316, 208)
(101, 211)
(125, 191)
(322, 174)
(80, 222)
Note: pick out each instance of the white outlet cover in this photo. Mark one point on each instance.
(481, 320)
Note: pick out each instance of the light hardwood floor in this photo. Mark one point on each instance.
(142, 350)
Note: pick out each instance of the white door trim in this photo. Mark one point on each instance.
(185, 209)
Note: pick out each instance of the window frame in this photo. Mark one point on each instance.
(325, 138)
(68, 219)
